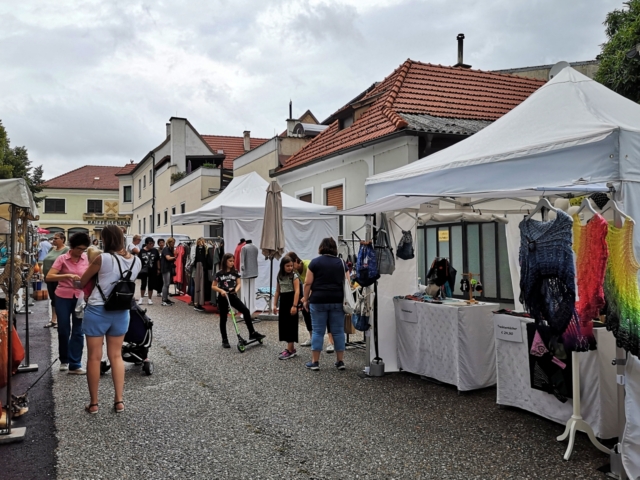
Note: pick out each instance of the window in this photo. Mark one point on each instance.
(139, 226)
(166, 216)
(183, 207)
(144, 225)
(94, 206)
(139, 187)
(126, 193)
(54, 205)
(479, 248)
(173, 210)
(333, 197)
(158, 219)
(150, 176)
(144, 181)
(305, 198)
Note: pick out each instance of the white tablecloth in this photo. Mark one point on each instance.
(597, 383)
(452, 344)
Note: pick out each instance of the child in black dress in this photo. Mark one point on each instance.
(226, 285)
(288, 291)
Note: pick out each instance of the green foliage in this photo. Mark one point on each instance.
(15, 163)
(208, 165)
(616, 71)
(176, 177)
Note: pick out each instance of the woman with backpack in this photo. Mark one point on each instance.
(106, 315)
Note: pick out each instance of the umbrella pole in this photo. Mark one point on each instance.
(271, 288)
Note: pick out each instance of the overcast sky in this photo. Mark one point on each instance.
(94, 82)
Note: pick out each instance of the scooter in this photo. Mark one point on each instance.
(242, 343)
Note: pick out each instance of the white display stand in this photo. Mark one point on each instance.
(450, 343)
(597, 387)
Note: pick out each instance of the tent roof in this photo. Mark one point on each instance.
(244, 199)
(15, 191)
(571, 113)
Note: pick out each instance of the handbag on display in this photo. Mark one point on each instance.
(384, 252)
(348, 303)
(348, 325)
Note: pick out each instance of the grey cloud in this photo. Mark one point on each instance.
(322, 22)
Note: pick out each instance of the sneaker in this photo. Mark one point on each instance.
(313, 365)
(340, 365)
(330, 348)
(287, 355)
(198, 308)
(257, 336)
(171, 302)
(77, 371)
(225, 344)
(64, 367)
(166, 303)
(149, 302)
(307, 343)
(140, 301)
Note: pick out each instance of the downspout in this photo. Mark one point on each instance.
(153, 193)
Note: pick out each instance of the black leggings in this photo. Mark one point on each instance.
(223, 307)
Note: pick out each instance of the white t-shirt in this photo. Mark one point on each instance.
(109, 274)
(131, 246)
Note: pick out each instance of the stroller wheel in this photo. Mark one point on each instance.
(104, 367)
(241, 348)
(147, 367)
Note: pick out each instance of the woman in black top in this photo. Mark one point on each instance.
(227, 286)
(167, 260)
(149, 259)
(323, 297)
(199, 269)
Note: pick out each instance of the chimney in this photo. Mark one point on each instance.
(290, 121)
(461, 63)
(168, 129)
(247, 140)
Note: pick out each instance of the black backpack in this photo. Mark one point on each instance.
(123, 291)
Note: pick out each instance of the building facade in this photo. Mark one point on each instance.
(83, 200)
(184, 172)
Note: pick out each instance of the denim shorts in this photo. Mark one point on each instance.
(98, 322)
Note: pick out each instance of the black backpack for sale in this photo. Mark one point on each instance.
(123, 291)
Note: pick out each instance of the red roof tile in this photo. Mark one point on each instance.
(232, 147)
(85, 178)
(420, 88)
(127, 169)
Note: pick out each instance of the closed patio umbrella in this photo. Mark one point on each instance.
(272, 239)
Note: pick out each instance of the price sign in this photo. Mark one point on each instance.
(443, 235)
(508, 328)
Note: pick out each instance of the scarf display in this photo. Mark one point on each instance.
(621, 288)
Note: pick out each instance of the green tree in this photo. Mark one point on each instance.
(15, 163)
(619, 60)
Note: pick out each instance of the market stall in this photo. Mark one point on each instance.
(16, 206)
(241, 207)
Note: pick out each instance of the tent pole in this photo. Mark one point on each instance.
(27, 366)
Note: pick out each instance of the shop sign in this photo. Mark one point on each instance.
(407, 311)
(443, 235)
(508, 328)
(122, 223)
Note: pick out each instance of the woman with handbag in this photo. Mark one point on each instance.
(323, 297)
(101, 320)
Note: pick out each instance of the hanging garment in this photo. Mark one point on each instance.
(249, 261)
(200, 261)
(590, 247)
(547, 272)
(179, 253)
(621, 288)
(547, 371)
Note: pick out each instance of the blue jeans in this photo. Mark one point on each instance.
(323, 315)
(70, 336)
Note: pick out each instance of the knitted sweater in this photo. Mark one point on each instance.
(547, 272)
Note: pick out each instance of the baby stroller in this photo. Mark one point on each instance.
(137, 341)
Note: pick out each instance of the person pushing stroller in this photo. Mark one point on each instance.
(226, 285)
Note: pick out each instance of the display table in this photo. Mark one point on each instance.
(597, 380)
(450, 343)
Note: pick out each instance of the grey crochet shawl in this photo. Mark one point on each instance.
(547, 272)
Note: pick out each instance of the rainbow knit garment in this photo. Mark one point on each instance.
(547, 272)
(590, 247)
(621, 288)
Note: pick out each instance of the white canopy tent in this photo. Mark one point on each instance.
(240, 206)
(573, 132)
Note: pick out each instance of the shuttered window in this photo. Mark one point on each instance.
(333, 198)
(305, 198)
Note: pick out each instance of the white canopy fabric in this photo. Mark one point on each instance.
(571, 130)
(15, 191)
(244, 199)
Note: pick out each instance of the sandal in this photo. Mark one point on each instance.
(51, 324)
(89, 407)
(118, 410)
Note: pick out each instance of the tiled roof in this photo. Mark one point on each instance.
(233, 147)
(127, 169)
(419, 88)
(85, 178)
